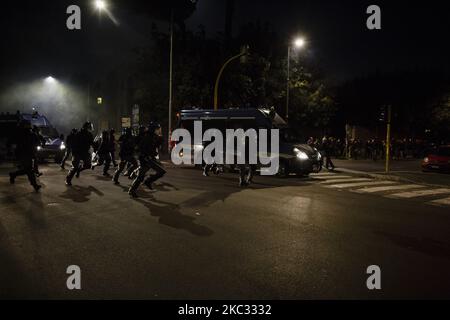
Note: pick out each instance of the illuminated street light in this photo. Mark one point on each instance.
(298, 43)
(50, 79)
(100, 5)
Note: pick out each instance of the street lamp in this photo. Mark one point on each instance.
(298, 43)
(100, 5)
(50, 79)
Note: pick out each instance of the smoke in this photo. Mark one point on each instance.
(65, 106)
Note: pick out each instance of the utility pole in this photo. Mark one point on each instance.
(388, 137)
(169, 134)
(288, 82)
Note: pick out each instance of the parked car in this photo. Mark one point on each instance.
(437, 160)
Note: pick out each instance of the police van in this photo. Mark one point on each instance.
(53, 148)
(295, 157)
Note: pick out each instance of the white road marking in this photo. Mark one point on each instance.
(323, 174)
(389, 188)
(360, 184)
(330, 177)
(445, 201)
(346, 180)
(420, 193)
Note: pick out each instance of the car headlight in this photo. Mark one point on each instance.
(301, 154)
(39, 148)
(426, 160)
(62, 146)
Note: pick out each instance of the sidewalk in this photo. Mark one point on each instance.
(400, 170)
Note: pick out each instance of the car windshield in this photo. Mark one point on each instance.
(49, 132)
(444, 151)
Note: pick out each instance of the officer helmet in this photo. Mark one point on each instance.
(88, 126)
(153, 126)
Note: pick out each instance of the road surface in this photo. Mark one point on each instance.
(206, 238)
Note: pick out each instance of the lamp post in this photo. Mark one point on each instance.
(298, 44)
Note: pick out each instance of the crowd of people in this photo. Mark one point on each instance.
(138, 154)
(374, 149)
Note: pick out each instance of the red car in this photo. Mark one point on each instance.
(437, 160)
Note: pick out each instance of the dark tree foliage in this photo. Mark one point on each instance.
(418, 100)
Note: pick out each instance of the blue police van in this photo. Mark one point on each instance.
(295, 157)
(52, 148)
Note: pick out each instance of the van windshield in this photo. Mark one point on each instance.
(49, 132)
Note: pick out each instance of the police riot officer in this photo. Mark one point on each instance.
(104, 153)
(112, 146)
(69, 145)
(39, 142)
(149, 146)
(82, 143)
(25, 152)
(127, 145)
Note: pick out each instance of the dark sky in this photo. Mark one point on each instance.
(35, 40)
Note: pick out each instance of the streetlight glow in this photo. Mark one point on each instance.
(100, 5)
(50, 79)
(299, 43)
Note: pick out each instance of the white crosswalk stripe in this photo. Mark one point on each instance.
(346, 180)
(320, 174)
(390, 188)
(383, 188)
(444, 201)
(360, 184)
(420, 193)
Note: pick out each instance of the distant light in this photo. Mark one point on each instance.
(100, 4)
(99, 100)
(50, 79)
(299, 43)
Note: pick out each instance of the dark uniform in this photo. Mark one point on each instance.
(25, 151)
(127, 145)
(69, 145)
(82, 143)
(39, 142)
(104, 153)
(112, 146)
(149, 147)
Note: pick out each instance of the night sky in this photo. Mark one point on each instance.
(36, 42)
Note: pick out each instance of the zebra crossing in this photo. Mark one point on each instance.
(439, 196)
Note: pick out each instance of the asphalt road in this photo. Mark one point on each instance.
(206, 238)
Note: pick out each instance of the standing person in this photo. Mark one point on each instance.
(104, 153)
(25, 151)
(112, 146)
(149, 146)
(82, 143)
(69, 146)
(127, 145)
(328, 150)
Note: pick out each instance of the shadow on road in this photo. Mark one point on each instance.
(80, 194)
(170, 215)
